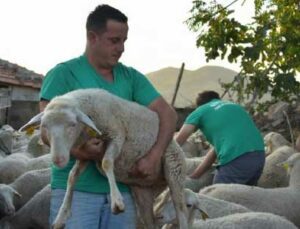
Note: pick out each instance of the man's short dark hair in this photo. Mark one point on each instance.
(97, 19)
(206, 96)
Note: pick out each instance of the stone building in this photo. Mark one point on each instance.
(19, 94)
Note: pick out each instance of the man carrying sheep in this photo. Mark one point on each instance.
(98, 67)
(238, 144)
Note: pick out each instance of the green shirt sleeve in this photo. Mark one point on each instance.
(56, 82)
(195, 118)
(143, 91)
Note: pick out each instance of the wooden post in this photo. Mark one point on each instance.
(177, 84)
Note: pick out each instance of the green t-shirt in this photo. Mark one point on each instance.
(228, 127)
(75, 74)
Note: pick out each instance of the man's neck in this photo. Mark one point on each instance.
(105, 72)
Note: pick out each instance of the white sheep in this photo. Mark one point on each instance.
(221, 214)
(274, 176)
(131, 130)
(280, 201)
(36, 147)
(195, 145)
(165, 213)
(16, 194)
(34, 214)
(13, 166)
(248, 220)
(274, 140)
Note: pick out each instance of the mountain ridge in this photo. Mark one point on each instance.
(193, 81)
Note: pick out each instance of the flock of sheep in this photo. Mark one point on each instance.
(274, 203)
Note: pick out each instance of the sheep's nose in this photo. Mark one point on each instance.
(10, 210)
(60, 161)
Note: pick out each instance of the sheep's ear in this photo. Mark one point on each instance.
(191, 199)
(33, 124)
(284, 165)
(204, 215)
(93, 132)
(161, 200)
(17, 194)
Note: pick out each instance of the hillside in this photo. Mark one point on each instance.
(192, 82)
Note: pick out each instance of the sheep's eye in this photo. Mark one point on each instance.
(72, 124)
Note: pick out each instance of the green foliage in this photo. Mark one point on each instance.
(267, 48)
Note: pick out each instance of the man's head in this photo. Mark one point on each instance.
(206, 96)
(107, 31)
(98, 18)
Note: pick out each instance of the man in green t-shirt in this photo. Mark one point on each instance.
(237, 143)
(98, 67)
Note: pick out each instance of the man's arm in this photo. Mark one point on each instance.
(93, 149)
(150, 164)
(185, 131)
(205, 165)
(43, 103)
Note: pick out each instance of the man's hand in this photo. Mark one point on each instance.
(92, 149)
(147, 167)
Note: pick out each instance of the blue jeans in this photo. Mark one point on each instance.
(93, 211)
(245, 169)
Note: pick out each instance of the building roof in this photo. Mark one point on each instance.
(13, 74)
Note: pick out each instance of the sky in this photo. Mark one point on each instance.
(38, 34)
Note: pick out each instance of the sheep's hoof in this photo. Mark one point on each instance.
(117, 209)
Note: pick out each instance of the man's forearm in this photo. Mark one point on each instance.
(167, 126)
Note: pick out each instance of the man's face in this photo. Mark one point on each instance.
(108, 45)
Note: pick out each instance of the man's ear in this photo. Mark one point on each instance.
(91, 36)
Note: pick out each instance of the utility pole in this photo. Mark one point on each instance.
(177, 84)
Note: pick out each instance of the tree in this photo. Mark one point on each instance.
(267, 48)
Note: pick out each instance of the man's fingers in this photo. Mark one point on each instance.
(134, 172)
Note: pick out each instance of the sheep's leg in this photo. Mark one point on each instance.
(144, 200)
(113, 150)
(65, 209)
(174, 171)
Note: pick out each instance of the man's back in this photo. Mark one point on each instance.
(229, 128)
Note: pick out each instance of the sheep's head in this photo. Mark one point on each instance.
(273, 141)
(60, 129)
(165, 212)
(61, 124)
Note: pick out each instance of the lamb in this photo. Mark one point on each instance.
(24, 187)
(34, 214)
(274, 176)
(129, 129)
(280, 201)
(222, 214)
